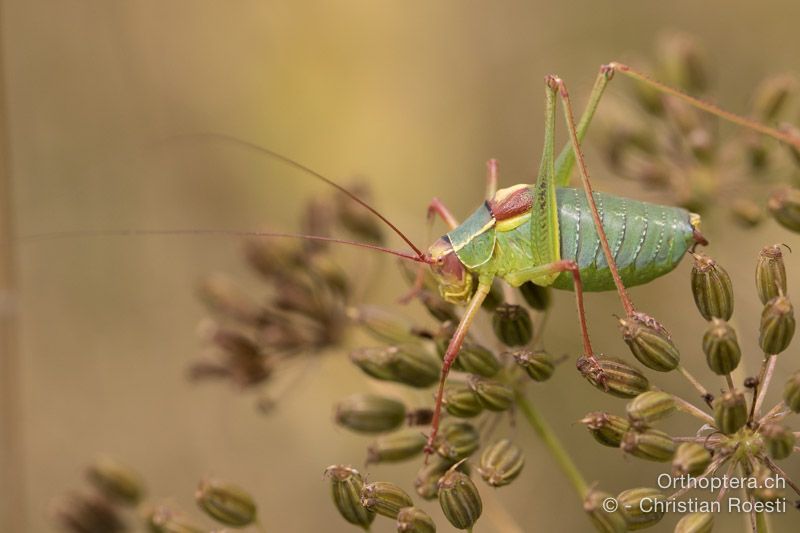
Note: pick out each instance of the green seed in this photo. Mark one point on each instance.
(618, 378)
(535, 296)
(649, 407)
(772, 95)
(226, 503)
(712, 289)
(410, 364)
(779, 439)
(494, 298)
(493, 395)
(730, 412)
(650, 344)
(631, 505)
(501, 463)
(777, 325)
(650, 444)
(439, 309)
(459, 499)
(691, 459)
(784, 204)
(398, 446)
(791, 392)
(369, 413)
(539, 365)
(384, 498)
(512, 325)
(683, 63)
(346, 486)
(604, 521)
(383, 325)
(695, 523)
(457, 440)
(116, 480)
(414, 520)
(721, 347)
(475, 359)
(426, 482)
(607, 429)
(770, 273)
(461, 401)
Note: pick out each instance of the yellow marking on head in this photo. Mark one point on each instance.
(513, 222)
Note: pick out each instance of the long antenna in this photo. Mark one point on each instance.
(200, 232)
(292, 163)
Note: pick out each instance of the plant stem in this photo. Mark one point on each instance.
(767, 369)
(688, 408)
(762, 524)
(543, 429)
(695, 383)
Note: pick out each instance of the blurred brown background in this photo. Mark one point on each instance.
(414, 95)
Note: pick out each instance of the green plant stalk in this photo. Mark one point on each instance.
(554, 446)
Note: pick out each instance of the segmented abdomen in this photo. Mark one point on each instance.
(647, 240)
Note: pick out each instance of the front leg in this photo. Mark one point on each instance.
(450, 355)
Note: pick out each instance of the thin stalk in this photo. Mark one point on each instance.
(764, 378)
(778, 470)
(688, 408)
(729, 380)
(554, 446)
(695, 383)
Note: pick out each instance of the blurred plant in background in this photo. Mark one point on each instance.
(680, 153)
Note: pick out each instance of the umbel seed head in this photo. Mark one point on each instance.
(779, 440)
(116, 480)
(691, 459)
(414, 520)
(410, 364)
(493, 395)
(649, 444)
(791, 392)
(615, 376)
(538, 365)
(459, 499)
(461, 401)
(721, 347)
(512, 325)
(501, 463)
(475, 359)
(650, 407)
(346, 485)
(784, 204)
(652, 346)
(457, 440)
(604, 520)
(640, 508)
(770, 273)
(777, 325)
(369, 413)
(397, 446)
(226, 503)
(607, 429)
(384, 498)
(695, 523)
(712, 289)
(730, 412)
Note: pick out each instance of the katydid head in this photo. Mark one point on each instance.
(455, 282)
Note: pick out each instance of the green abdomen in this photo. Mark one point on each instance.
(647, 240)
